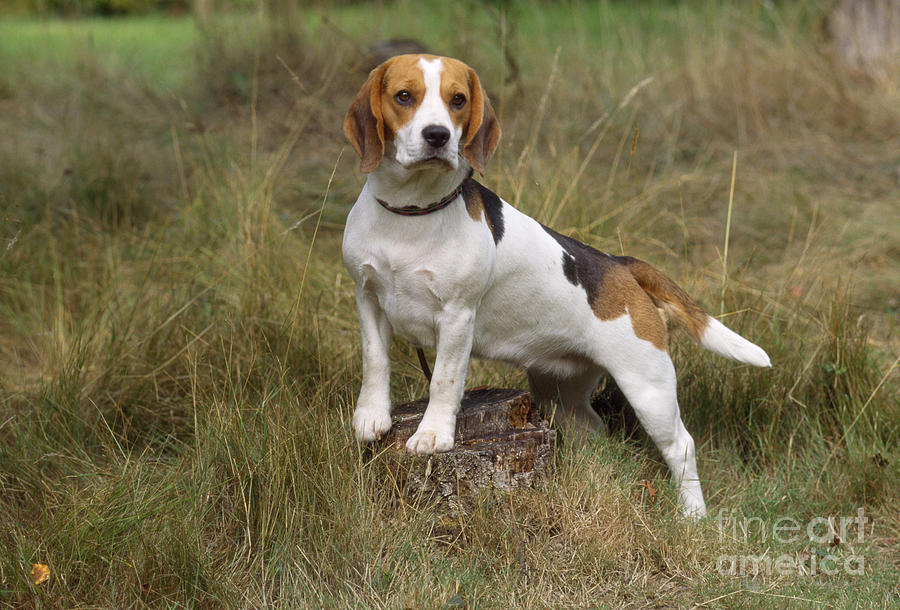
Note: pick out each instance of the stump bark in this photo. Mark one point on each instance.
(501, 443)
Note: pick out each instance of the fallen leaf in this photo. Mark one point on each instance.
(836, 541)
(40, 572)
(650, 490)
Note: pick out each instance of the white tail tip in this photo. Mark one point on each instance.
(720, 339)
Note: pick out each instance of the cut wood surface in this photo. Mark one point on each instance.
(501, 443)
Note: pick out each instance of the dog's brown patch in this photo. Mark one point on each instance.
(618, 294)
(668, 296)
(481, 202)
(474, 205)
(616, 285)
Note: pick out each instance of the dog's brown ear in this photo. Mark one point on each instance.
(364, 123)
(483, 130)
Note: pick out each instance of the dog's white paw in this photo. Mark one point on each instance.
(691, 501)
(370, 424)
(426, 442)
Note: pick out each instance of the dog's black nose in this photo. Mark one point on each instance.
(436, 135)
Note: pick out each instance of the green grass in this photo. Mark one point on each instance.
(157, 50)
(179, 350)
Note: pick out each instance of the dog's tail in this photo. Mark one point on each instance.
(681, 308)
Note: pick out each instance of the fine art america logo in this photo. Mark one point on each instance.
(827, 532)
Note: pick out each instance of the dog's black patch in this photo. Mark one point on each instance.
(490, 202)
(570, 268)
(583, 266)
(493, 207)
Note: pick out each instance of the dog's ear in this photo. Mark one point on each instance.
(364, 123)
(483, 130)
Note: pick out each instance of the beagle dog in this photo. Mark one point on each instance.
(439, 259)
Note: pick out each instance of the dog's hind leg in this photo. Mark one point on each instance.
(650, 389)
(572, 394)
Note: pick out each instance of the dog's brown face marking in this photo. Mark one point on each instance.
(401, 92)
(457, 92)
(394, 92)
(403, 88)
(611, 289)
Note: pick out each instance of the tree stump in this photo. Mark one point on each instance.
(501, 443)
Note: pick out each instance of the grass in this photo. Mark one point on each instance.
(158, 50)
(179, 351)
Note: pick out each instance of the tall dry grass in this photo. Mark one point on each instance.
(179, 351)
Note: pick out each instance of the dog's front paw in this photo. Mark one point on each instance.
(370, 424)
(426, 442)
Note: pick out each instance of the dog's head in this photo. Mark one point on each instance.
(424, 110)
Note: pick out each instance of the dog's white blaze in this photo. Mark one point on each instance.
(432, 110)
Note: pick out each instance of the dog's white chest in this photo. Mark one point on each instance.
(416, 273)
(407, 294)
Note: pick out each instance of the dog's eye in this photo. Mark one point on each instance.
(403, 97)
(457, 101)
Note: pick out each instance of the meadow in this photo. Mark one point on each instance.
(179, 349)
